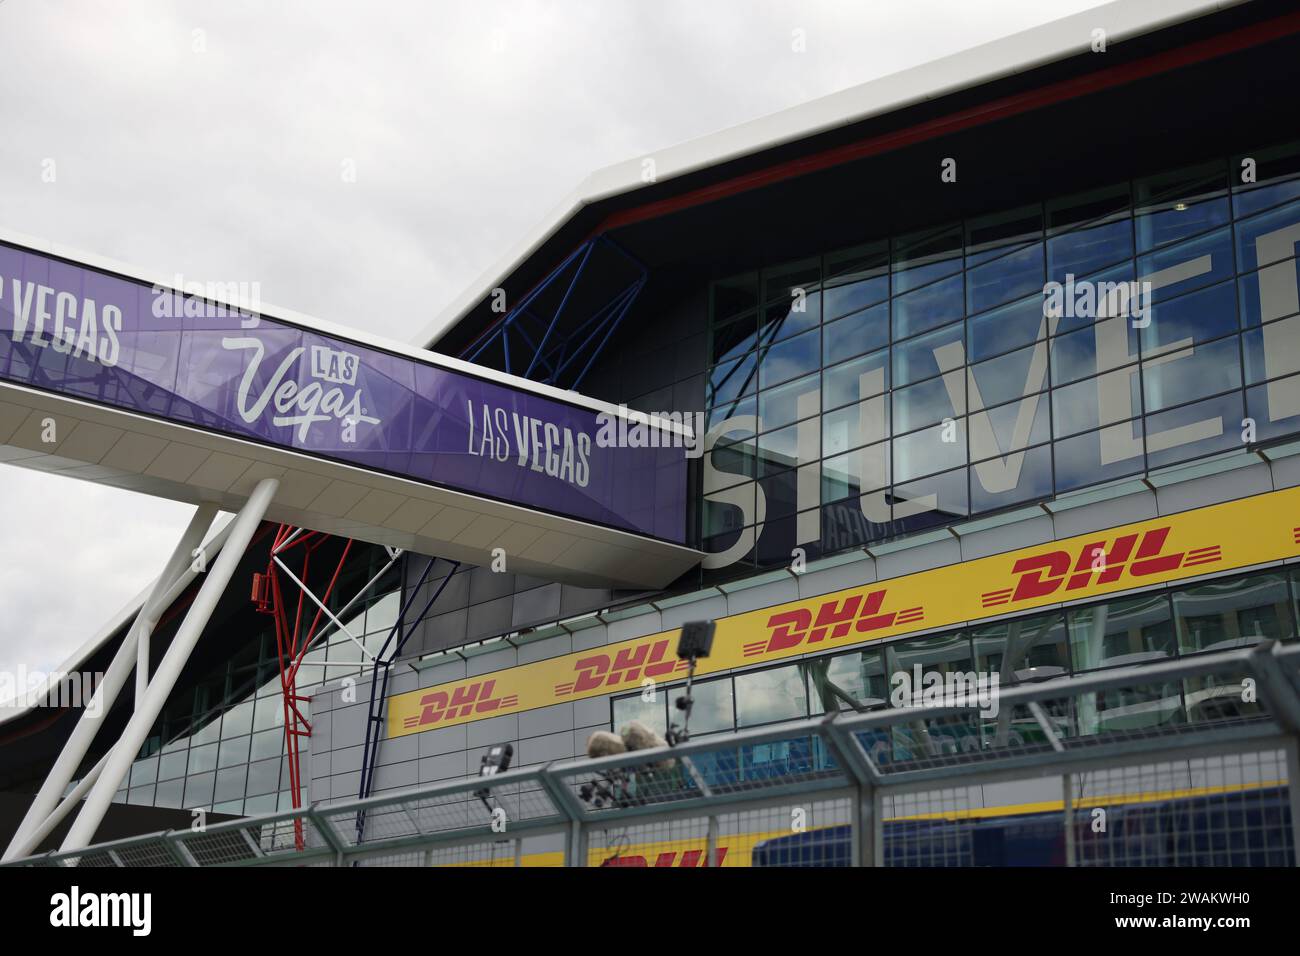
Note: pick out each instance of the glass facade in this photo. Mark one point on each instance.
(1214, 615)
(921, 379)
(220, 745)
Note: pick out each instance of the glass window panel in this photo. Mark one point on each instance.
(1217, 418)
(780, 406)
(1233, 612)
(790, 359)
(860, 675)
(933, 654)
(781, 490)
(945, 495)
(1094, 205)
(1211, 367)
(723, 517)
(842, 384)
(1003, 279)
(1005, 328)
(198, 790)
(1284, 277)
(916, 360)
(232, 752)
(141, 796)
(1250, 231)
(269, 713)
(780, 282)
(779, 450)
(766, 696)
(1207, 314)
(1259, 409)
(202, 759)
(652, 714)
(926, 255)
(144, 771)
(859, 263)
(1023, 649)
(733, 409)
(1123, 631)
(172, 764)
(209, 729)
(1075, 356)
(787, 317)
(1179, 221)
(1011, 376)
(237, 720)
(1088, 250)
(840, 430)
(1077, 408)
(855, 334)
(930, 450)
(854, 297)
(988, 237)
(263, 777)
(1131, 708)
(735, 338)
(713, 709)
(841, 474)
(1033, 481)
(230, 784)
(845, 526)
(730, 381)
(734, 296)
(927, 403)
(1077, 461)
(170, 793)
(928, 307)
(1215, 248)
(268, 743)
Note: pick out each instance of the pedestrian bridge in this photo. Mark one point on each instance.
(109, 376)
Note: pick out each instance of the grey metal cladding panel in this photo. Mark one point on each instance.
(1105, 514)
(349, 726)
(489, 619)
(398, 749)
(688, 394)
(1213, 489)
(542, 650)
(402, 680)
(495, 661)
(837, 578)
(692, 358)
(440, 631)
(1007, 537)
(591, 712)
(536, 606)
(546, 720)
(486, 584)
(346, 759)
(494, 730)
(396, 776)
(763, 596)
(921, 558)
(450, 766)
(443, 740)
(576, 600)
(453, 668)
(708, 609)
(535, 750)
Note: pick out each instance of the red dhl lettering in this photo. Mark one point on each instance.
(834, 619)
(627, 666)
(467, 699)
(688, 858)
(1098, 562)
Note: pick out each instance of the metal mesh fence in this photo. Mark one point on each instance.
(1186, 763)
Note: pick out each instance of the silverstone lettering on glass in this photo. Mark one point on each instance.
(1134, 386)
(89, 335)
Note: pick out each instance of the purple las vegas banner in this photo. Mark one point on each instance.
(77, 331)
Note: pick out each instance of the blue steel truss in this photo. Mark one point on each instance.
(537, 345)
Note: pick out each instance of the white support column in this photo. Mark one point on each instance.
(164, 590)
(169, 669)
(147, 619)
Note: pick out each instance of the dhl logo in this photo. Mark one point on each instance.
(689, 858)
(1044, 574)
(473, 698)
(834, 619)
(624, 667)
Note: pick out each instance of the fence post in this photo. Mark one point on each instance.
(1067, 793)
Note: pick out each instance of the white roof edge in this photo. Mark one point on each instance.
(1040, 45)
(127, 612)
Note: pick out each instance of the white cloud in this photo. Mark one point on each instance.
(466, 122)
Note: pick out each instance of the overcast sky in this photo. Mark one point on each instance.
(210, 139)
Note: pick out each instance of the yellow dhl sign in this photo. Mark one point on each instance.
(1235, 534)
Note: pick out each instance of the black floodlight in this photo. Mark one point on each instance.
(495, 761)
(696, 640)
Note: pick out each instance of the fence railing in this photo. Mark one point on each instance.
(1184, 762)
